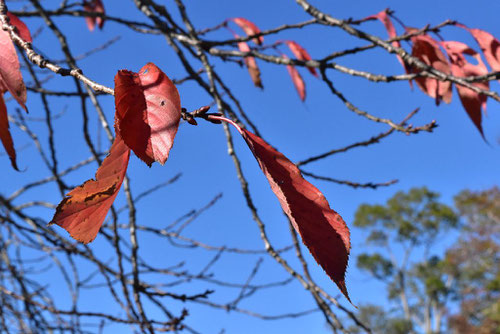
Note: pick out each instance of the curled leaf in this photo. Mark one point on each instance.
(472, 102)
(94, 6)
(10, 74)
(322, 230)
(427, 50)
(297, 80)
(5, 136)
(84, 209)
(148, 112)
(301, 54)
(249, 28)
(251, 64)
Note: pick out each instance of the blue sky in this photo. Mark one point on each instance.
(452, 158)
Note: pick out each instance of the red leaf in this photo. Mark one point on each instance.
(301, 54)
(10, 73)
(5, 136)
(94, 6)
(249, 28)
(21, 27)
(489, 45)
(460, 67)
(251, 64)
(148, 112)
(297, 80)
(427, 50)
(323, 230)
(83, 211)
(386, 21)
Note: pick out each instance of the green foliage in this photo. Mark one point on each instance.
(415, 217)
(431, 274)
(381, 322)
(376, 264)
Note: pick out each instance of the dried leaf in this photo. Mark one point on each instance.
(148, 112)
(473, 102)
(94, 6)
(323, 230)
(301, 54)
(391, 31)
(84, 210)
(10, 73)
(297, 80)
(5, 136)
(427, 50)
(251, 64)
(249, 28)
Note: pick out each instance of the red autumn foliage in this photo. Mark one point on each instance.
(472, 102)
(251, 64)
(5, 136)
(21, 27)
(11, 80)
(489, 45)
(9, 67)
(323, 230)
(391, 31)
(84, 209)
(249, 28)
(94, 6)
(148, 112)
(297, 80)
(301, 54)
(427, 50)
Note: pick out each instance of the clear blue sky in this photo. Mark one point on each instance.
(452, 158)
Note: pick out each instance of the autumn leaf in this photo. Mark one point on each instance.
(11, 80)
(21, 27)
(488, 44)
(472, 102)
(391, 31)
(301, 54)
(297, 80)
(251, 64)
(5, 136)
(323, 230)
(94, 6)
(148, 112)
(84, 209)
(249, 28)
(10, 73)
(427, 50)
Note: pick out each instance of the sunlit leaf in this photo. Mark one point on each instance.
(249, 28)
(251, 64)
(5, 136)
(297, 80)
(473, 102)
(301, 54)
(94, 6)
(323, 230)
(427, 50)
(148, 112)
(84, 209)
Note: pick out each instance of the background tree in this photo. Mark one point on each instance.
(425, 276)
(174, 253)
(474, 259)
(404, 233)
